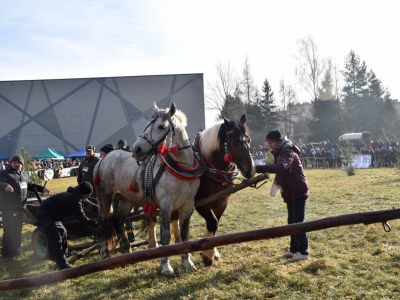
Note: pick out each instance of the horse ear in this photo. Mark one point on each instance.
(243, 119)
(155, 108)
(172, 110)
(227, 124)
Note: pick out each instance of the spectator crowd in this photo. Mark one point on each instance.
(329, 154)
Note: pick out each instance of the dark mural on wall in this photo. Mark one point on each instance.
(68, 114)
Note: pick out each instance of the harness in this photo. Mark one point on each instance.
(177, 169)
(211, 171)
(232, 172)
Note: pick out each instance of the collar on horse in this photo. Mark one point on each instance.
(213, 172)
(180, 171)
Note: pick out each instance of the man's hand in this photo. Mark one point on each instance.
(47, 191)
(9, 189)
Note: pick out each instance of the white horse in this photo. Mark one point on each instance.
(152, 184)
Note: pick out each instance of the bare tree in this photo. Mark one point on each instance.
(289, 99)
(226, 86)
(309, 66)
(337, 87)
(249, 88)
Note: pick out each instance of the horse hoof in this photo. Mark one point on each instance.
(166, 270)
(206, 261)
(189, 265)
(167, 273)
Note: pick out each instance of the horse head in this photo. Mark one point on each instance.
(236, 142)
(153, 140)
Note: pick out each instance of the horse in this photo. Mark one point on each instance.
(149, 184)
(225, 148)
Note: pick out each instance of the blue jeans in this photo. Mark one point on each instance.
(296, 214)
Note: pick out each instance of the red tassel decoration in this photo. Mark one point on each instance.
(133, 186)
(152, 208)
(228, 157)
(145, 206)
(173, 148)
(162, 149)
(96, 181)
(150, 212)
(154, 205)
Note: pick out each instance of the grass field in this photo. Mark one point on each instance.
(348, 262)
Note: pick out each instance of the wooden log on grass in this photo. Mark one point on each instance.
(201, 244)
(83, 253)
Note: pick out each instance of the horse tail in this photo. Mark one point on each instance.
(106, 218)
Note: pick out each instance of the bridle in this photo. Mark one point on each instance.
(243, 139)
(153, 144)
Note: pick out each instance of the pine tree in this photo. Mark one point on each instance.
(325, 122)
(355, 77)
(262, 111)
(268, 107)
(375, 85)
(232, 108)
(326, 91)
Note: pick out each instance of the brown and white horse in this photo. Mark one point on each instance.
(225, 148)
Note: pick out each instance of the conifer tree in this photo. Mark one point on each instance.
(262, 110)
(355, 77)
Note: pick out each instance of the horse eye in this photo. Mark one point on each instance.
(161, 127)
(244, 139)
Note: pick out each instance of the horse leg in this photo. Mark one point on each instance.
(175, 226)
(211, 228)
(119, 224)
(166, 269)
(152, 222)
(184, 220)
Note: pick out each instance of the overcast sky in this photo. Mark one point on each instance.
(68, 39)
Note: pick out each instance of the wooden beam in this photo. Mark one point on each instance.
(233, 189)
(201, 244)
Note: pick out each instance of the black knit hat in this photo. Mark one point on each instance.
(107, 148)
(18, 158)
(122, 142)
(85, 188)
(274, 135)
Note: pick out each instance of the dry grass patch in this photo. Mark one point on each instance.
(348, 262)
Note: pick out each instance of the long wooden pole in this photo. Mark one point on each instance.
(201, 244)
(233, 189)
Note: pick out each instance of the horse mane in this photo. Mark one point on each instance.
(210, 140)
(178, 114)
(182, 118)
(211, 137)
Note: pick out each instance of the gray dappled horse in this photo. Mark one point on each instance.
(117, 171)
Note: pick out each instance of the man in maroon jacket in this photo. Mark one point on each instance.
(291, 181)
